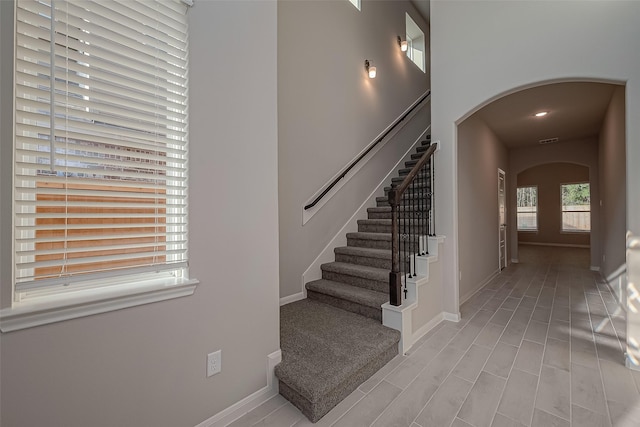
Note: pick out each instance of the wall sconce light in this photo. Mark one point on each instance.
(403, 44)
(371, 70)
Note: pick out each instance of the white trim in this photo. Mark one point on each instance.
(594, 268)
(424, 330)
(313, 272)
(451, 317)
(292, 298)
(560, 245)
(73, 305)
(481, 286)
(238, 409)
(515, 261)
(308, 214)
(616, 273)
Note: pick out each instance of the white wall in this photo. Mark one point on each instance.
(329, 110)
(582, 152)
(613, 184)
(481, 50)
(145, 366)
(480, 154)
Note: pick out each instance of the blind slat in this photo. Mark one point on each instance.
(100, 183)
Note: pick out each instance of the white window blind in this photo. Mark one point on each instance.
(100, 173)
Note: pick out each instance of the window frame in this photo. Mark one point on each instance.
(563, 210)
(413, 38)
(527, 230)
(97, 294)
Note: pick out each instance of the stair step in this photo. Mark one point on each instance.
(372, 278)
(375, 241)
(327, 353)
(357, 300)
(379, 258)
(422, 148)
(410, 194)
(384, 212)
(384, 225)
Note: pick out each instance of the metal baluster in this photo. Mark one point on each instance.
(415, 236)
(432, 164)
(423, 208)
(395, 283)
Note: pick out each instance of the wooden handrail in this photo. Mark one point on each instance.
(400, 189)
(368, 150)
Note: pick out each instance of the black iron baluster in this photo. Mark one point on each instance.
(432, 165)
(414, 231)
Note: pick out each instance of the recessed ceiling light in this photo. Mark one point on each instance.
(542, 113)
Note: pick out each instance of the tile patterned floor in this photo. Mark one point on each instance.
(541, 345)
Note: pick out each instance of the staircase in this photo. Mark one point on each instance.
(333, 341)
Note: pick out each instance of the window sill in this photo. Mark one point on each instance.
(23, 315)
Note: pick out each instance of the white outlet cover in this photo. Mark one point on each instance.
(214, 363)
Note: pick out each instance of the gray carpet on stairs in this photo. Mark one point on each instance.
(327, 353)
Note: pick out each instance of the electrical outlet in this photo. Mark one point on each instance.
(214, 363)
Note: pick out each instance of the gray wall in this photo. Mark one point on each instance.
(581, 152)
(480, 154)
(145, 366)
(613, 186)
(329, 110)
(548, 178)
(482, 50)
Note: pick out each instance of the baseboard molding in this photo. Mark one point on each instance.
(425, 329)
(451, 317)
(515, 261)
(238, 409)
(616, 273)
(558, 245)
(594, 268)
(481, 286)
(292, 298)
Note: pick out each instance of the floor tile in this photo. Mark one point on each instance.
(559, 330)
(541, 314)
(489, 335)
(518, 397)
(554, 392)
(501, 360)
(536, 331)
(624, 414)
(260, 412)
(459, 423)
(501, 421)
(586, 388)
(369, 407)
(404, 373)
(511, 303)
(513, 333)
(618, 383)
(404, 409)
(375, 379)
(441, 366)
(469, 367)
(286, 415)
(544, 419)
(501, 317)
(445, 403)
(529, 358)
(582, 417)
(557, 354)
(480, 405)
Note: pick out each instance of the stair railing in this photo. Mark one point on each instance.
(412, 222)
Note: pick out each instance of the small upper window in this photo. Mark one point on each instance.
(415, 43)
(356, 3)
(527, 208)
(576, 207)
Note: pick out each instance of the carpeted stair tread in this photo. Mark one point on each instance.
(363, 252)
(370, 236)
(363, 271)
(350, 293)
(327, 353)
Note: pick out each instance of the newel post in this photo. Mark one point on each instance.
(395, 281)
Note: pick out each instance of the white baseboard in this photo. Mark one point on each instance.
(424, 330)
(515, 261)
(594, 268)
(250, 402)
(481, 286)
(292, 298)
(451, 317)
(616, 273)
(559, 245)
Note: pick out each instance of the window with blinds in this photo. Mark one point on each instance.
(100, 150)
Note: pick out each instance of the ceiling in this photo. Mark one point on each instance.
(576, 110)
